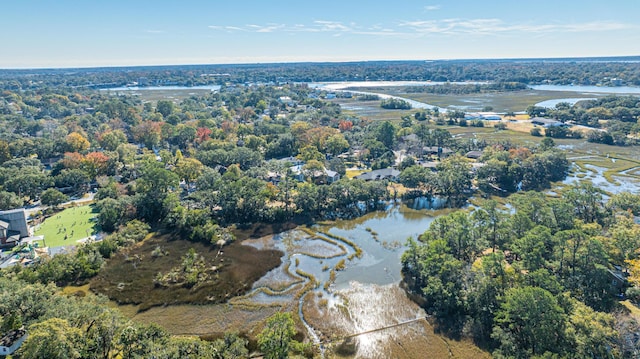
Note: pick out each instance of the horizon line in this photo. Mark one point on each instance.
(88, 67)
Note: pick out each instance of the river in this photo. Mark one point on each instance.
(618, 90)
(572, 101)
(346, 85)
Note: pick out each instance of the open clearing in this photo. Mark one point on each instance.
(67, 227)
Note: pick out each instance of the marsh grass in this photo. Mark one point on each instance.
(127, 278)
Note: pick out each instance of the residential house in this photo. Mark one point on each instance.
(546, 122)
(429, 164)
(332, 176)
(474, 155)
(319, 177)
(381, 174)
(13, 227)
(441, 152)
(619, 282)
(286, 100)
(11, 341)
(8, 238)
(294, 161)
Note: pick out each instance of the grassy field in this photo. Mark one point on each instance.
(67, 227)
(354, 172)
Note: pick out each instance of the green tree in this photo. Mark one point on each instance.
(183, 136)
(140, 341)
(386, 133)
(75, 178)
(625, 201)
(336, 144)
(9, 200)
(490, 277)
(530, 322)
(489, 224)
(434, 273)
(164, 107)
(189, 169)
(547, 143)
(454, 178)
(275, 339)
(53, 338)
(534, 248)
(5, 154)
(52, 197)
(154, 197)
(28, 183)
(454, 229)
(231, 346)
(418, 177)
(591, 333)
(309, 153)
(588, 202)
(110, 140)
(110, 213)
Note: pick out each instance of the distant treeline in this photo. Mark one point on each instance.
(463, 89)
(617, 114)
(604, 71)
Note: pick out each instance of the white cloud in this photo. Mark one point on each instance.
(324, 25)
(234, 28)
(432, 7)
(418, 28)
(497, 26)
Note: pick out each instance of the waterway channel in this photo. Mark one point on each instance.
(332, 268)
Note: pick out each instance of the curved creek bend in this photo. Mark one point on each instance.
(327, 266)
(341, 278)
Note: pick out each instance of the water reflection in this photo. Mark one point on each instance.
(624, 181)
(432, 202)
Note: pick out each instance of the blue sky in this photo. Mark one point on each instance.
(84, 33)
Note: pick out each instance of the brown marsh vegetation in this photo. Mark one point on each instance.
(128, 277)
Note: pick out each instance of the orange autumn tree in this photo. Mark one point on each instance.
(95, 164)
(203, 134)
(148, 133)
(72, 160)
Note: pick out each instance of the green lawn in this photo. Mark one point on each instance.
(72, 223)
